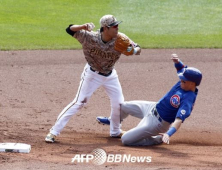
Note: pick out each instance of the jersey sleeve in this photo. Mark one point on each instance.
(180, 67)
(86, 38)
(186, 107)
(80, 35)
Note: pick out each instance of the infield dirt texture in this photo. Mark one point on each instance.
(36, 85)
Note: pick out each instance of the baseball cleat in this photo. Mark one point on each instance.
(157, 139)
(50, 138)
(120, 135)
(103, 120)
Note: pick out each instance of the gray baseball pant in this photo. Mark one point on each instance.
(147, 131)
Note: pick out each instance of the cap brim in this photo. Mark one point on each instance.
(115, 23)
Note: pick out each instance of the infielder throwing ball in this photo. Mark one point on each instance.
(102, 49)
(160, 120)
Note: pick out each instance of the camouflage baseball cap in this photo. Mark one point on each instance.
(109, 20)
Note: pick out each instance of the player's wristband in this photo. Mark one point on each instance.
(69, 31)
(179, 65)
(171, 131)
(135, 51)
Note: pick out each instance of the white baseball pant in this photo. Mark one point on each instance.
(90, 81)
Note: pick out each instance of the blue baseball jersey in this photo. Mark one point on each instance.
(177, 103)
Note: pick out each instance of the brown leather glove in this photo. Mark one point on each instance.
(123, 45)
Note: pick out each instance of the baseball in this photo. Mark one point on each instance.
(174, 55)
(90, 26)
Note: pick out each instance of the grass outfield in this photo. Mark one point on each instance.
(40, 24)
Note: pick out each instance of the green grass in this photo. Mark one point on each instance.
(40, 24)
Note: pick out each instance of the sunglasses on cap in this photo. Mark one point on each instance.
(115, 26)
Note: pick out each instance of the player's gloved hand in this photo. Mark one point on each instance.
(165, 138)
(123, 45)
(175, 58)
(135, 51)
(129, 48)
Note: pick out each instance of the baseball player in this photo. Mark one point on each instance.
(160, 120)
(101, 49)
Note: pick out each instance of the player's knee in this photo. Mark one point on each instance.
(123, 107)
(79, 105)
(125, 140)
(123, 113)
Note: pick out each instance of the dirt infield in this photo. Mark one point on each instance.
(36, 85)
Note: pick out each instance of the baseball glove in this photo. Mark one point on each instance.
(123, 45)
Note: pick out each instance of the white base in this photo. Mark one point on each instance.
(15, 147)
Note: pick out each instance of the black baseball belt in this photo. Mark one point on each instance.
(155, 113)
(102, 74)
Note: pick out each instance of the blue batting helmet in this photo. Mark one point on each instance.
(191, 74)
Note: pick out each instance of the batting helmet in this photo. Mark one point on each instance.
(191, 74)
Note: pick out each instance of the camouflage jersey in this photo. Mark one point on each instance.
(100, 56)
